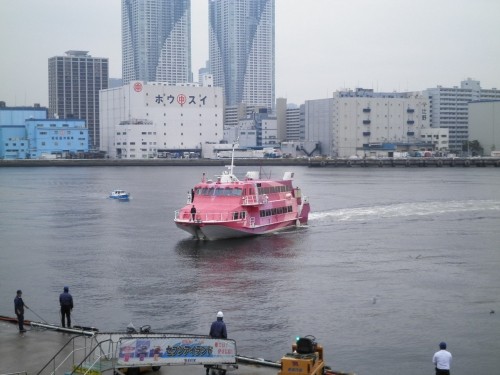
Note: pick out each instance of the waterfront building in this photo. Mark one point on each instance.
(484, 125)
(437, 138)
(57, 138)
(318, 120)
(290, 121)
(14, 143)
(74, 84)
(365, 123)
(156, 41)
(242, 50)
(147, 120)
(295, 120)
(257, 129)
(449, 108)
(280, 112)
(27, 133)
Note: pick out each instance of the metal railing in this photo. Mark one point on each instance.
(69, 352)
(208, 217)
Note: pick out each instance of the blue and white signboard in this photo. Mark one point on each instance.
(145, 351)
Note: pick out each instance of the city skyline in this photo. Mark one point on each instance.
(321, 46)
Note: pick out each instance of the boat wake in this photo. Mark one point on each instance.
(406, 210)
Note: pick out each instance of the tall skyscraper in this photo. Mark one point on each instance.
(74, 84)
(242, 50)
(156, 41)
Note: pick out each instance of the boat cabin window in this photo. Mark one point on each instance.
(275, 211)
(240, 215)
(219, 191)
(273, 189)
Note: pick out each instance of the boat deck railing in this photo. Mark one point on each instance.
(208, 217)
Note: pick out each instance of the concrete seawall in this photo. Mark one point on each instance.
(407, 162)
(148, 162)
(319, 163)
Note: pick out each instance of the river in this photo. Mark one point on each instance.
(393, 261)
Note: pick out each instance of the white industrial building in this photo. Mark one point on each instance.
(438, 138)
(364, 120)
(146, 120)
(363, 123)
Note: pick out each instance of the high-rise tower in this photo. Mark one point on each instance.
(242, 50)
(74, 84)
(156, 41)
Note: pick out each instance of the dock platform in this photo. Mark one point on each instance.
(27, 353)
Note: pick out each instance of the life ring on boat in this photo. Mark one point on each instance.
(467, 163)
(439, 163)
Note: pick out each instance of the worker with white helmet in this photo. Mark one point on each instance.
(218, 328)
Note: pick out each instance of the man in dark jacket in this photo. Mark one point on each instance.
(218, 328)
(19, 307)
(66, 302)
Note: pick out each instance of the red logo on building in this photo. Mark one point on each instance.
(181, 99)
(137, 87)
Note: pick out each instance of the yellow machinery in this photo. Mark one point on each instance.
(306, 358)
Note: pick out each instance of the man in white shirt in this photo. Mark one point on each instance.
(442, 360)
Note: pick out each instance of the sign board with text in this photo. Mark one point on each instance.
(155, 351)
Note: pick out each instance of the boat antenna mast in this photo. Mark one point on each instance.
(231, 168)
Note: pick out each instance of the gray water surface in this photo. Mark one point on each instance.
(393, 261)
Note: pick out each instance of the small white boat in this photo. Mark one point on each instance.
(120, 195)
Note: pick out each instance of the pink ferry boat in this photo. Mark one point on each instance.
(231, 208)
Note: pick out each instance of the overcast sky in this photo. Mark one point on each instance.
(321, 45)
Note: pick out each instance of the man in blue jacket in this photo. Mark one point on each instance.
(218, 328)
(19, 308)
(66, 302)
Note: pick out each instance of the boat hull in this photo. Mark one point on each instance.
(226, 230)
(120, 198)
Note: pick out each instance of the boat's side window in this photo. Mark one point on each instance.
(237, 192)
(211, 191)
(235, 216)
(228, 192)
(242, 214)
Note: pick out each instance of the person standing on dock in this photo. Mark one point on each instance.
(442, 360)
(66, 302)
(218, 328)
(19, 307)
